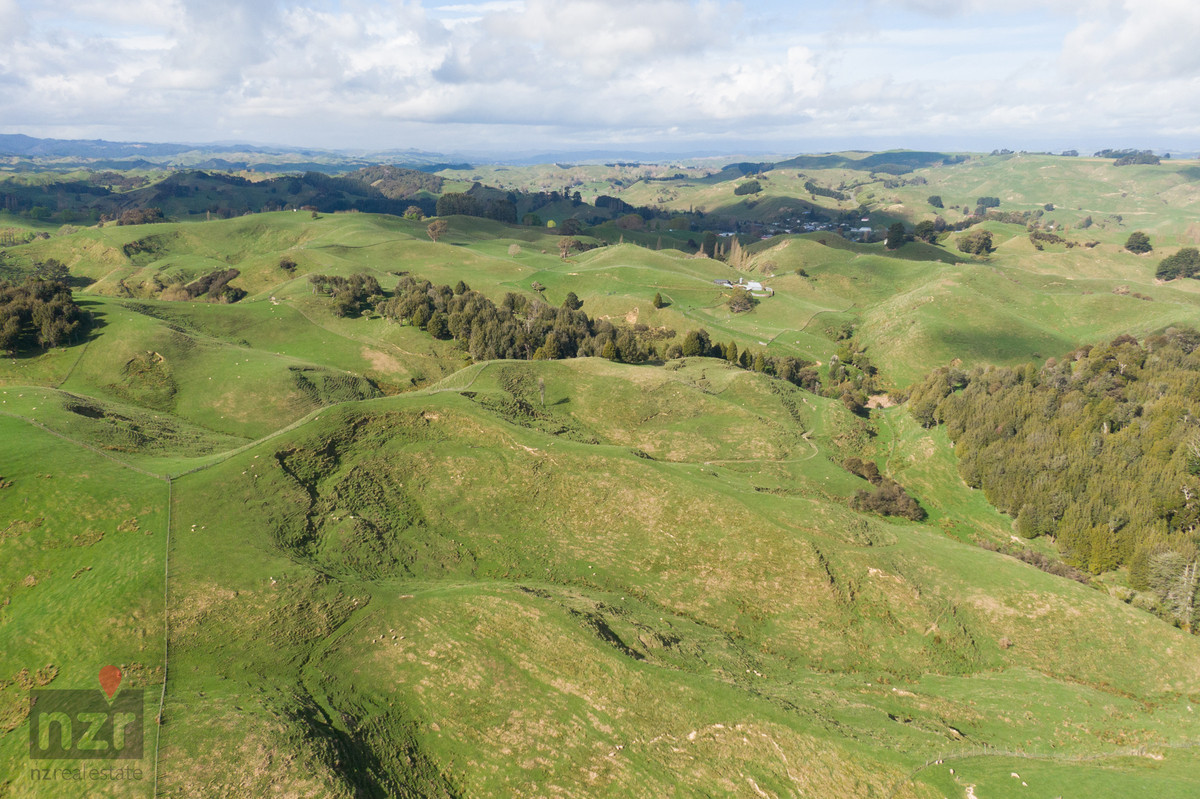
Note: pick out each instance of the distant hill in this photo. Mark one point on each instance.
(101, 154)
(895, 162)
(19, 144)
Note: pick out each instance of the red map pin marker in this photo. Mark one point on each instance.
(110, 679)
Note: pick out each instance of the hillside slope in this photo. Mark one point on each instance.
(341, 560)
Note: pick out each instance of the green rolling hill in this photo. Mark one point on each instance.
(343, 560)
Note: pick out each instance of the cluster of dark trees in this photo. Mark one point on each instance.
(749, 187)
(928, 230)
(1040, 238)
(39, 313)
(982, 205)
(852, 376)
(823, 191)
(529, 208)
(978, 242)
(216, 285)
(351, 295)
(1100, 449)
(453, 203)
(887, 498)
(1185, 263)
(137, 216)
(117, 180)
(396, 183)
(519, 327)
(1129, 156)
(524, 328)
(698, 343)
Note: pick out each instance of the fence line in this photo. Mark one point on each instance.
(162, 699)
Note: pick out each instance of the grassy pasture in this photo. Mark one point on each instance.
(393, 575)
(650, 584)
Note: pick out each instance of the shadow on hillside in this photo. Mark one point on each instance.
(98, 320)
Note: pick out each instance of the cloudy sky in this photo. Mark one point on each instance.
(667, 75)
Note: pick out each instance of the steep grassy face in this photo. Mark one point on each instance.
(82, 550)
(634, 620)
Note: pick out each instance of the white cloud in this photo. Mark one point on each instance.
(1143, 41)
(367, 72)
(12, 21)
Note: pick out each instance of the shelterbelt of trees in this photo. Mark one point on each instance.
(526, 328)
(1100, 449)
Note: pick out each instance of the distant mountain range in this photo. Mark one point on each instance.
(31, 152)
(98, 153)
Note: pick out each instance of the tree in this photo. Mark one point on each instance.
(977, 243)
(570, 227)
(658, 300)
(572, 302)
(52, 269)
(609, 351)
(895, 236)
(749, 187)
(564, 246)
(344, 304)
(1138, 243)
(287, 264)
(414, 213)
(740, 301)
(437, 326)
(1185, 263)
(936, 201)
(696, 343)
(437, 228)
(852, 403)
(926, 231)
